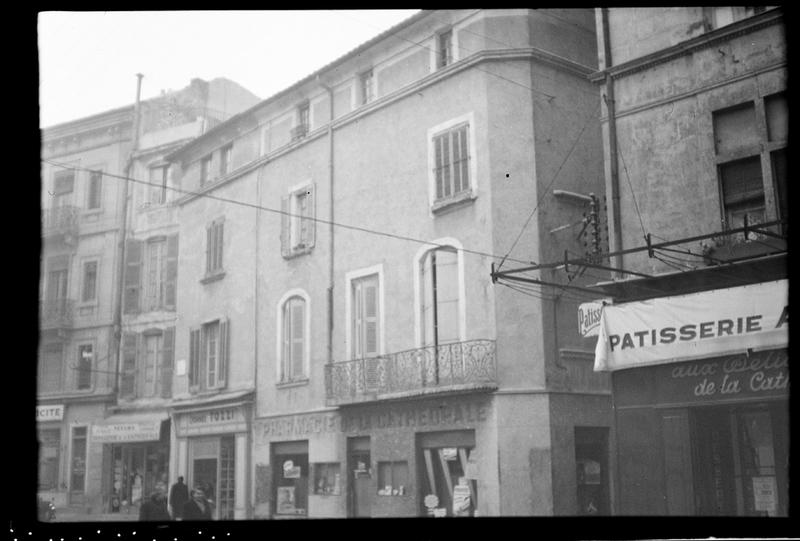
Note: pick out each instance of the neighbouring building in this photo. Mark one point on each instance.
(329, 371)
(106, 442)
(695, 121)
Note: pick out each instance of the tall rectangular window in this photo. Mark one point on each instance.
(439, 288)
(89, 292)
(742, 191)
(93, 200)
(205, 170)
(214, 245)
(85, 366)
(366, 317)
(451, 162)
(152, 364)
(158, 185)
(294, 339)
(304, 117)
(155, 272)
(367, 87)
(63, 183)
(208, 355)
(51, 368)
(225, 160)
(445, 49)
(298, 225)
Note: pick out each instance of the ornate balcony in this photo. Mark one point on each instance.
(60, 221)
(55, 314)
(446, 368)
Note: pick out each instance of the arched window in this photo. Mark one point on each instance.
(440, 297)
(294, 340)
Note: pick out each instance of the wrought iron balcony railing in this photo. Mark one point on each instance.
(60, 221)
(56, 313)
(433, 369)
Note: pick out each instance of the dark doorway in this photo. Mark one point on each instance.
(591, 470)
(359, 468)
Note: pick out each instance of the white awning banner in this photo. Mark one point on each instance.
(129, 428)
(686, 327)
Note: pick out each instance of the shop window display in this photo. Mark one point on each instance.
(393, 478)
(327, 479)
(291, 474)
(446, 489)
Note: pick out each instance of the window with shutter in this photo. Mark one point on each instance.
(298, 227)
(171, 273)
(127, 387)
(366, 317)
(439, 300)
(214, 247)
(89, 281)
(293, 320)
(211, 341)
(133, 278)
(451, 162)
(151, 364)
(194, 358)
(85, 364)
(224, 350)
(93, 200)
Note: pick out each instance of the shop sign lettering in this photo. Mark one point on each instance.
(735, 375)
(445, 414)
(50, 413)
(589, 318)
(214, 416)
(298, 425)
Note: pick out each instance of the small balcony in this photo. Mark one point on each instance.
(454, 367)
(299, 131)
(56, 314)
(60, 222)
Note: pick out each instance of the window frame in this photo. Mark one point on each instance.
(391, 465)
(418, 262)
(91, 369)
(95, 178)
(161, 188)
(200, 357)
(149, 304)
(321, 470)
(71, 462)
(206, 163)
(215, 245)
(367, 86)
(280, 377)
(94, 299)
(59, 387)
(436, 204)
(350, 278)
(225, 154)
(293, 242)
(763, 150)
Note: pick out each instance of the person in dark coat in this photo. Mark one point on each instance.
(178, 496)
(155, 509)
(198, 507)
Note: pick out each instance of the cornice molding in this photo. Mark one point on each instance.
(709, 39)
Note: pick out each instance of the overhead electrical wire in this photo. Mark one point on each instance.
(277, 211)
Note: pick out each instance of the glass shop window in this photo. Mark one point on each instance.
(393, 478)
(327, 479)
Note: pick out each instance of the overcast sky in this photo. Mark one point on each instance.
(88, 60)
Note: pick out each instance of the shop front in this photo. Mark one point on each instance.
(701, 402)
(212, 443)
(424, 457)
(49, 419)
(138, 445)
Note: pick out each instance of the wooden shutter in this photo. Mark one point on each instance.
(209, 247)
(218, 245)
(171, 272)
(222, 356)
(439, 166)
(465, 157)
(127, 386)
(133, 276)
(167, 360)
(286, 248)
(297, 337)
(287, 342)
(194, 357)
(370, 314)
(358, 321)
(309, 236)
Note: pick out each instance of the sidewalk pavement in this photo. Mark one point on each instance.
(69, 514)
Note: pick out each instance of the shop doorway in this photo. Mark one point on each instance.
(214, 468)
(740, 459)
(359, 467)
(591, 465)
(290, 474)
(448, 486)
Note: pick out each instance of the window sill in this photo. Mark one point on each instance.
(298, 252)
(88, 213)
(207, 279)
(291, 383)
(442, 206)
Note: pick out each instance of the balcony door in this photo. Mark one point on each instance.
(56, 286)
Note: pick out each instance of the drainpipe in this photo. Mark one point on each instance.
(123, 234)
(612, 183)
(330, 225)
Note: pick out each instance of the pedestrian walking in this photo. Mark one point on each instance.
(155, 509)
(198, 507)
(178, 496)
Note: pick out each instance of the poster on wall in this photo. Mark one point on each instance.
(286, 503)
(765, 494)
(290, 471)
(461, 500)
